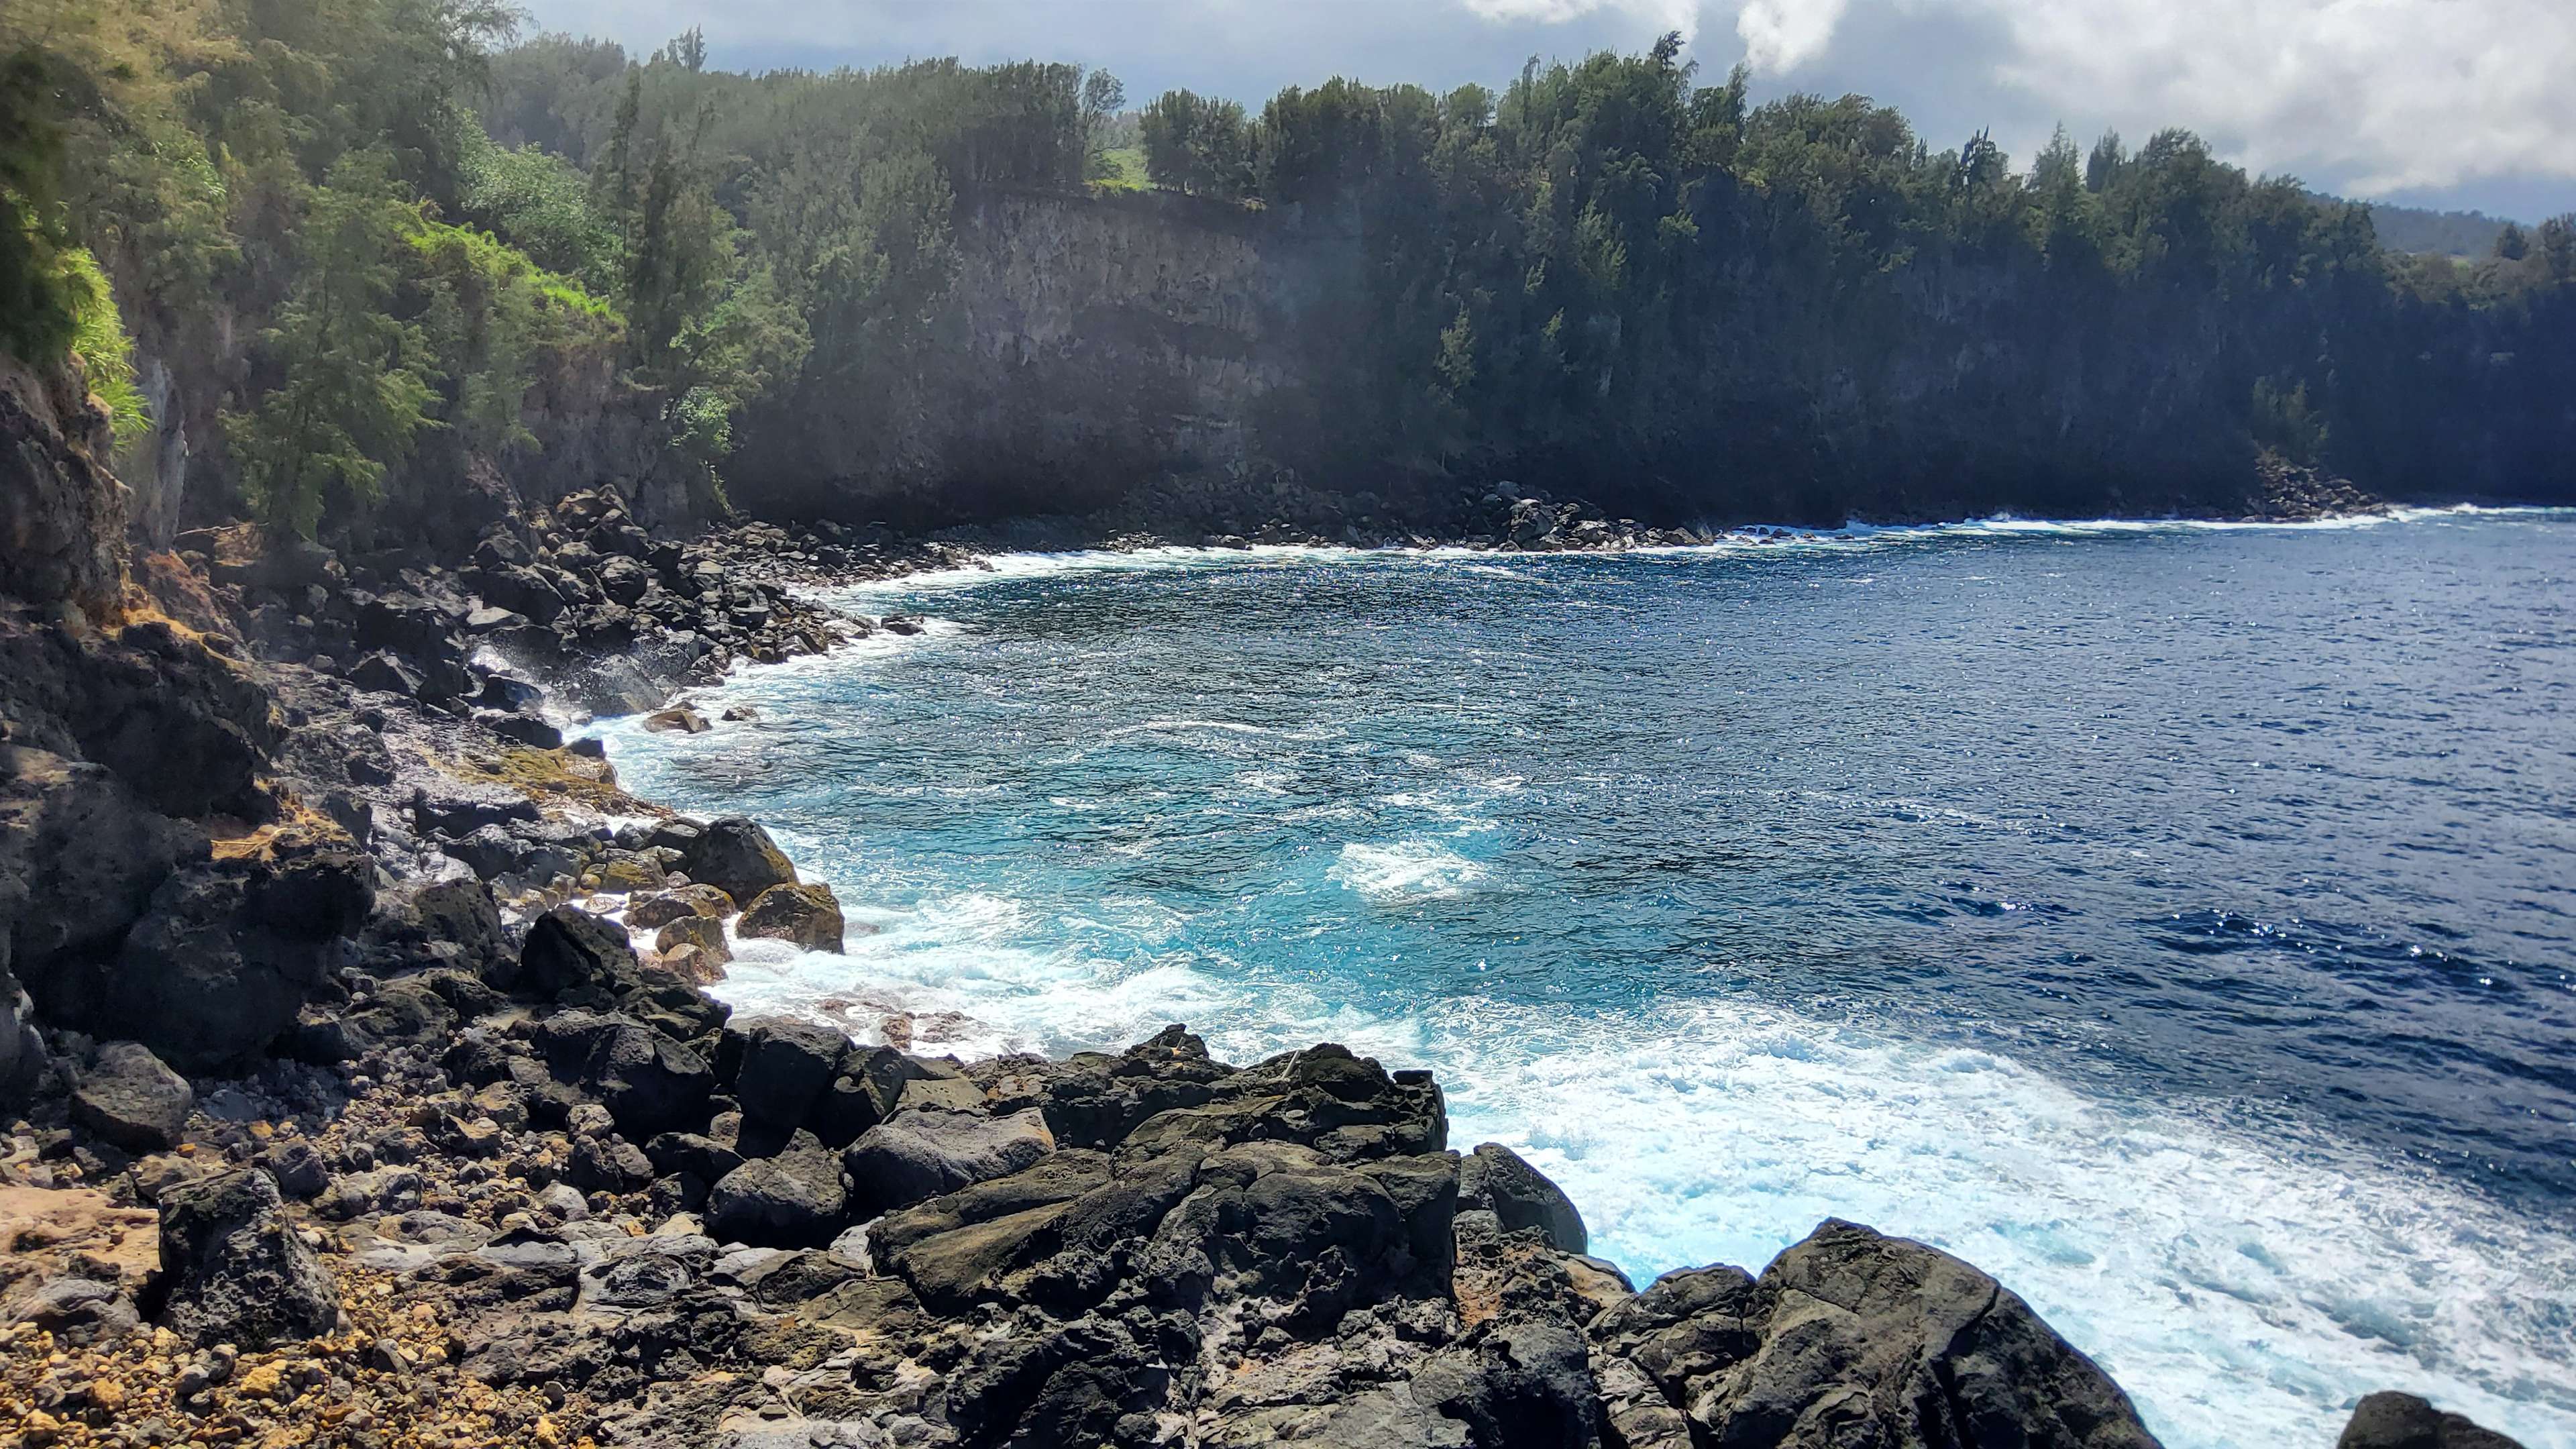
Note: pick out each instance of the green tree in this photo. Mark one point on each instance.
(353, 389)
(1199, 145)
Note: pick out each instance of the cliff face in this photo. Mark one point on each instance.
(1091, 344)
(62, 514)
(129, 740)
(1144, 323)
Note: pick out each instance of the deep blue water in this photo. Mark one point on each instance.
(2174, 920)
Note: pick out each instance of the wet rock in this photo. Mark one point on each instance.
(2388, 1420)
(237, 1272)
(705, 933)
(130, 1098)
(677, 720)
(736, 856)
(1494, 1179)
(808, 915)
(792, 1200)
(656, 911)
(923, 1152)
(1860, 1338)
(692, 965)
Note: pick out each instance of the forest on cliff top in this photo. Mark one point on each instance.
(359, 254)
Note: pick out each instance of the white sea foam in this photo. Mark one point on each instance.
(1167, 726)
(1733, 543)
(2245, 1285)
(1407, 871)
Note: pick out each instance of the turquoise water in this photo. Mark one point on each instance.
(2172, 919)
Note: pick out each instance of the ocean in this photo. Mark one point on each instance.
(2176, 920)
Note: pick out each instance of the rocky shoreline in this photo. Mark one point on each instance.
(345, 1109)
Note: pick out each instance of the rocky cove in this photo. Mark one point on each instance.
(346, 1108)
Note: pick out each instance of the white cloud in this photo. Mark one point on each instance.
(1664, 15)
(1781, 35)
(2381, 95)
(2390, 93)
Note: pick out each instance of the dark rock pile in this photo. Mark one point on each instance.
(2287, 490)
(676, 1228)
(577, 595)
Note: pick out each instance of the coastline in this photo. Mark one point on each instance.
(501, 1119)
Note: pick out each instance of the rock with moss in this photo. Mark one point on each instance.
(807, 914)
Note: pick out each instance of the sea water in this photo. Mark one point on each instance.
(2177, 921)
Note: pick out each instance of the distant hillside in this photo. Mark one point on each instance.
(2447, 233)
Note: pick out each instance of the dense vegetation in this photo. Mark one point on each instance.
(379, 251)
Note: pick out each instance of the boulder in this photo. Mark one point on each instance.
(235, 1269)
(607, 1163)
(414, 927)
(648, 1082)
(699, 1156)
(786, 1066)
(737, 857)
(22, 1050)
(569, 949)
(458, 808)
(299, 1169)
(923, 1152)
(1854, 1337)
(808, 915)
(649, 913)
(624, 580)
(626, 873)
(1494, 1179)
(229, 952)
(78, 1311)
(2388, 1420)
(792, 1200)
(384, 673)
(867, 1091)
(679, 719)
(75, 837)
(130, 1098)
(692, 965)
(706, 933)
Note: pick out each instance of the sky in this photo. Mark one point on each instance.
(2448, 103)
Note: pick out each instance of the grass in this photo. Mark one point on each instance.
(106, 354)
(1126, 170)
